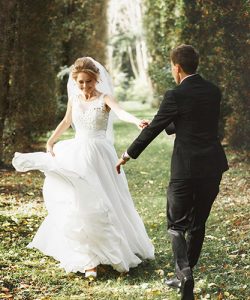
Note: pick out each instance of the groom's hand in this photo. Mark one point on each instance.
(118, 165)
(122, 161)
(144, 123)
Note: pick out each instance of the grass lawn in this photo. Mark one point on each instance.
(223, 270)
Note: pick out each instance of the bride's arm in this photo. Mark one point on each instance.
(60, 129)
(122, 114)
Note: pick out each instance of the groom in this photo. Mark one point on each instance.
(191, 110)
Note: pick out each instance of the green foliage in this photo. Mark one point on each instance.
(220, 31)
(139, 91)
(132, 90)
(38, 38)
(27, 89)
(120, 44)
(163, 25)
(81, 25)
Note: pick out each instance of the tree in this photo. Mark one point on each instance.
(38, 38)
(26, 75)
(220, 31)
(224, 58)
(128, 52)
(6, 40)
(163, 24)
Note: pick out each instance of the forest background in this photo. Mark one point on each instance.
(41, 39)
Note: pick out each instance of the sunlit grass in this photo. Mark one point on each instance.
(224, 265)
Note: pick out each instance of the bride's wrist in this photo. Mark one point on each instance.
(137, 122)
(49, 143)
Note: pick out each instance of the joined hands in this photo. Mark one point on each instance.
(143, 123)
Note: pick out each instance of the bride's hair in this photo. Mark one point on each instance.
(87, 66)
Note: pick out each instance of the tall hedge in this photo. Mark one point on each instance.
(39, 37)
(220, 31)
(163, 26)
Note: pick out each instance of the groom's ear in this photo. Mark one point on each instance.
(178, 68)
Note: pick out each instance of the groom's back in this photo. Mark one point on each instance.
(197, 151)
(198, 104)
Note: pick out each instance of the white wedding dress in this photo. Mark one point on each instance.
(91, 216)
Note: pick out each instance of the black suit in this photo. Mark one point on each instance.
(191, 110)
(193, 107)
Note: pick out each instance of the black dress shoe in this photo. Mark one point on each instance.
(173, 283)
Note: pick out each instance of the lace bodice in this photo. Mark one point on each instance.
(90, 115)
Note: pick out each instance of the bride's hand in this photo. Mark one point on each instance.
(143, 124)
(49, 148)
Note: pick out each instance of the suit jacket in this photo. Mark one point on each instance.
(191, 110)
(170, 129)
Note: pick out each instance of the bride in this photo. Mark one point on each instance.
(91, 216)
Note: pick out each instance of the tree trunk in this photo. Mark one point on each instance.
(132, 62)
(6, 38)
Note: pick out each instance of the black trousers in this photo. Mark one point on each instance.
(189, 202)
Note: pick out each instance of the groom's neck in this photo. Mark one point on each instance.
(184, 75)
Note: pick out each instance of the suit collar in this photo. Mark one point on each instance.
(190, 78)
(187, 77)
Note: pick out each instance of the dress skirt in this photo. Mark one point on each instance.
(91, 217)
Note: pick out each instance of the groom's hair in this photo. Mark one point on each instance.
(187, 57)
